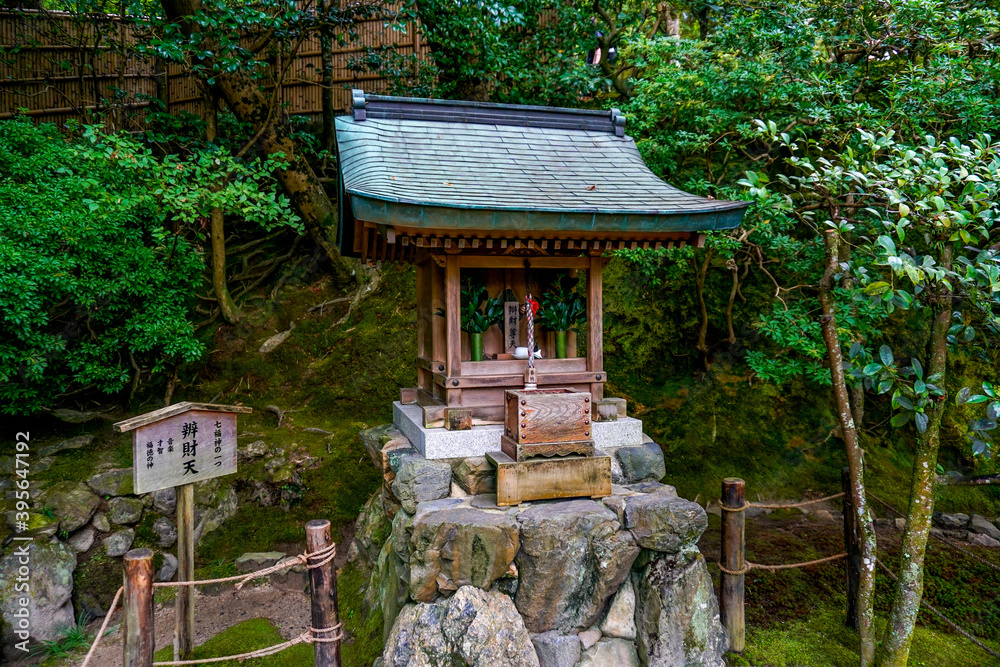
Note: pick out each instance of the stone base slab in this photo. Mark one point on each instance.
(439, 443)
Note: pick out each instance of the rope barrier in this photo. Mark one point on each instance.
(747, 504)
(941, 616)
(940, 538)
(104, 626)
(308, 637)
(311, 561)
(772, 568)
(327, 554)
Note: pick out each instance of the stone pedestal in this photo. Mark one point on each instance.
(440, 443)
(562, 583)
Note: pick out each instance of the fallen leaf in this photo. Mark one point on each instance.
(592, 187)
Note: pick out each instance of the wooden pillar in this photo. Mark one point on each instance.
(425, 315)
(323, 593)
(138, 608)
(453, 331)
(733, 545)
(184, 604)
(439, 324)
(852, 545)
(595, 324)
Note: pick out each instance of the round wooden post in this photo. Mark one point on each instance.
(731, 585)
(138, 608)
(184, 604)
(852, 545)
(323, 591)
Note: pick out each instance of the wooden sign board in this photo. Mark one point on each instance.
(512, 323)
(182, 444)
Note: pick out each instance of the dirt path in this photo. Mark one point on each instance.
(289, 610)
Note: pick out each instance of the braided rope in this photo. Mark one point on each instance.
(531, 330)
(772, 568)
(788, 506)
(326, 553)
(104, 626)
(308, 637)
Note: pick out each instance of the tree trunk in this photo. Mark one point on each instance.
(855, 461)
(230, 312)
(253, 106)
(326, 57)
(895, 649)
(700, 275)
(857, 389)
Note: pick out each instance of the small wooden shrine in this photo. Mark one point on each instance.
(494, 203)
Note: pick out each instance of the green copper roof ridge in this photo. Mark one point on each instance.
(486, 105)
(722, 205)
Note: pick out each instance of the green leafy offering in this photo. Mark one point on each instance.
(479, 312)
(562, 309)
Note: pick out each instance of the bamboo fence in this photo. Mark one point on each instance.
(56, 66)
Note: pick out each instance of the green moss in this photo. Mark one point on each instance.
(257, 633)
(822, 640)
(724, 425)
(97, 575)
(364, 630)
(145, 536)
(337, 378)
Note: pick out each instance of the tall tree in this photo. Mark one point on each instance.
(924, 216)
(232, 72)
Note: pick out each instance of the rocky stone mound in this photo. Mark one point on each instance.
(565, 583)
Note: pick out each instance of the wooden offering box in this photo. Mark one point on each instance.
(545, 479)
(546, 416)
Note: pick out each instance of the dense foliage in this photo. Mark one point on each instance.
(90, 282)
(101, 256)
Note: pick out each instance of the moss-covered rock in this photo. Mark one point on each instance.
(456, 547)
(573, 557)
(72, 503)
(372, 529)
(419, 480)
(473, 628)
(113, 483)
(37, 525)
(677, 614)
(664, 523)
(124, 511)
(49, 607)
(215, 501)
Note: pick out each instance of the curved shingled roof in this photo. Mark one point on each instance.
(474, 166)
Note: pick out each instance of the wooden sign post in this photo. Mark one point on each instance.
(177, 446)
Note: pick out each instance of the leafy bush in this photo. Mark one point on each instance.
(92, 286)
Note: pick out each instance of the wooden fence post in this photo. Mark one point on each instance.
(733, 545)
(852, 545)
(138, 608)
(323, 591)
(184, 604)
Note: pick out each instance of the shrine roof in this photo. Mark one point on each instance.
(469, 166)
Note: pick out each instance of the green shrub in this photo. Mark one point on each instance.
(84, 285)
(100, 254)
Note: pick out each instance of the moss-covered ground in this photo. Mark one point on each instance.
(796, 617)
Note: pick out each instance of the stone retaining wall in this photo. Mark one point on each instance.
(460, 581)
